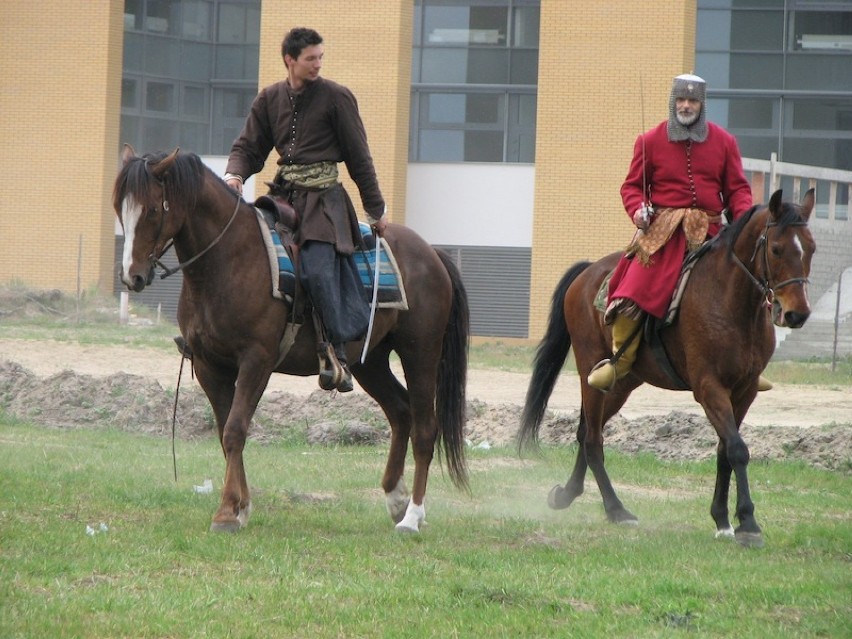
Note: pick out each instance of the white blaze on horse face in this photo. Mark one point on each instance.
(131, 212)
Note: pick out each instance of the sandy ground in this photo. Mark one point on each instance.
(795, 406)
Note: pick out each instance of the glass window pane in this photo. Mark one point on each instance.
(252, 34)
(715, 68)
(129, 93)
(709, 24)
(158, 134)
(526, 26)
(488, 66)
(230, 62)
(821, 31)
(232, 23)
(132, 14)
(162, 56)
(757, 30)
(815, 72)
(822, 115)
(750, 114)
(756, 71)
(444, 108)
(160, 97)
(193, 137)
(441, 146)
(483, 146)
(524, 67)
(197, 18)
(447, 66)
(134, 51)
(196, 61)
(162, 17)
(195, 102)
(483, 108)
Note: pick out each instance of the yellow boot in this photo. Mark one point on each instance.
(604, 375)
(763, 384)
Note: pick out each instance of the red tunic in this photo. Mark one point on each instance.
(706, 175)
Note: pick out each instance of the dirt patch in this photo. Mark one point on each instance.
(63, 385)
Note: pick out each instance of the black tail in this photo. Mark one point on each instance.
(549, 358)
(450, 402)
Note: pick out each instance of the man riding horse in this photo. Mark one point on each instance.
(314, 124)
(686, 175)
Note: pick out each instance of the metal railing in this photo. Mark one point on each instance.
(766, 176)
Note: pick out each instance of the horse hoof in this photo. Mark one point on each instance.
(724, 533)
(225, 526)
(749, 539)
(558, 498)
(623, 517)
(405, 528)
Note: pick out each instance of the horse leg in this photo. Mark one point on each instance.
(421, 374)
(599, 409)
(719, 506)
(234, 418)
(376, 378)
(563, 496)
(717, 406)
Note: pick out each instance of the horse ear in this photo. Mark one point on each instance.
(775, 203)
(127, 154)
(808, 204)
(165, 164)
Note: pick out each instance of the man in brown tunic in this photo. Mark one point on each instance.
(313, 124)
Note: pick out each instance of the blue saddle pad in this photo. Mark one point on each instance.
(390, 293)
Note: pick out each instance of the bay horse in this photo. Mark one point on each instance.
(233, 326)
(753, 274)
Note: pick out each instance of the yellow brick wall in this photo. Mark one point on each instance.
(598, 68)
(367, 49)
(60, 95)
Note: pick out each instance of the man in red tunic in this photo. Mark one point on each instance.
(686, 173)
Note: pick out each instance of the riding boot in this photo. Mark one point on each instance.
(345, 384)
(183, 347)
(763, 384)
(605, 373)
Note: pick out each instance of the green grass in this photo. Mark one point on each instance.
(320, 559)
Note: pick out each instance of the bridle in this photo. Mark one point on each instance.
(155, 259)
(765, 285)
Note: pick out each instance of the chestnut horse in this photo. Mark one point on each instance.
(234, 326)
(752, 274)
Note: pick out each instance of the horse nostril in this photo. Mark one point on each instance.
(138, 283)
(794, 319)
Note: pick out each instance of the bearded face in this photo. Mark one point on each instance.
(687, 111)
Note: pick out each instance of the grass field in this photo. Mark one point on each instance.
(320, 558)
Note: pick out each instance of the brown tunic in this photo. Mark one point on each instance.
(320, 123)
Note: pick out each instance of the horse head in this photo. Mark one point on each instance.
(142, 206)
(788, 247)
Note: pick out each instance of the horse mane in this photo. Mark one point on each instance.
(181, 183)
(730, 233)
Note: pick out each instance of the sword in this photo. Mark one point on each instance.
(374, 301)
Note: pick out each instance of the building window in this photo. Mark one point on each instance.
(782, 79)
(184, 61)
(474, 80)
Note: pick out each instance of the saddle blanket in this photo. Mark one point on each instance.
(391, 291)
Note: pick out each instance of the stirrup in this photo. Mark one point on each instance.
(331, 373)
(598, 366)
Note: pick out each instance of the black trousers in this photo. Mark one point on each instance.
(334, 287)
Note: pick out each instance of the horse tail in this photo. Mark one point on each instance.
(547, 364)
(450, 402)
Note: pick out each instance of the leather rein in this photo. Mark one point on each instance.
(155, 259)
(764, 285)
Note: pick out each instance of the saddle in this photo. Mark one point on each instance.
(653, 327)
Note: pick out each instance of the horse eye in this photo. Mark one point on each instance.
(776, 250)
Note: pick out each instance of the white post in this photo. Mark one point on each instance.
(124, 303)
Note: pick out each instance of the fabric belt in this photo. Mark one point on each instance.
(695, 223)
(319, 175)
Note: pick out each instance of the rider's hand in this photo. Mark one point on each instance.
(235, 184)
(642, 217)
(380, 225)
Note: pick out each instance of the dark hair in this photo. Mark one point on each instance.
(297, 39)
